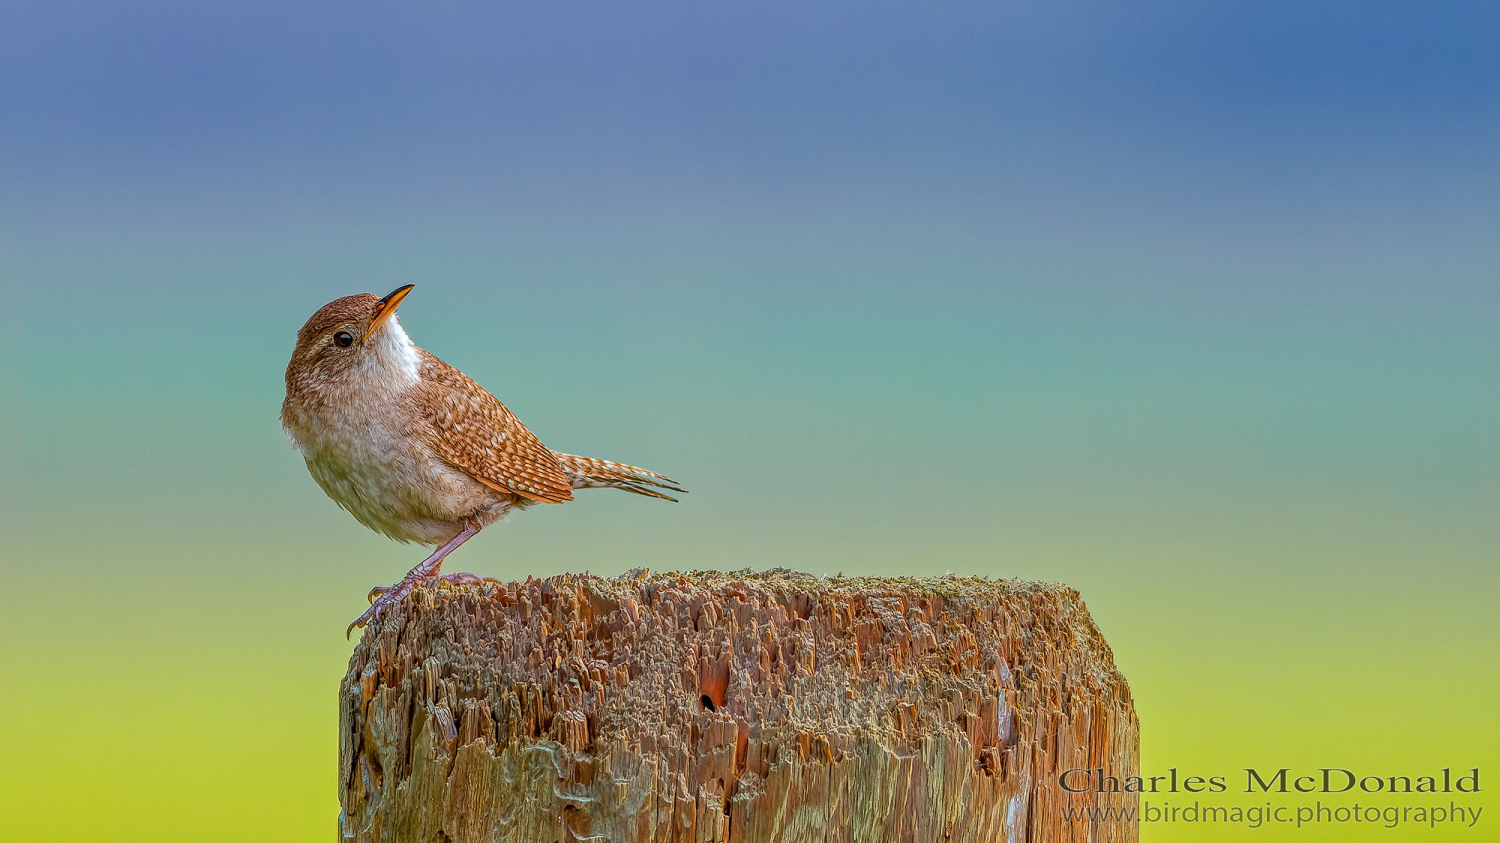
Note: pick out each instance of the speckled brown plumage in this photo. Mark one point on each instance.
(413, 448)
(591, 473)
(474, 432)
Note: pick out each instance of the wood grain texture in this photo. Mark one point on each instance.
(732, 707)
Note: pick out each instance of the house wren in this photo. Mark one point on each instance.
(414, 449)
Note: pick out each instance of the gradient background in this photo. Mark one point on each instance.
(1191, 306)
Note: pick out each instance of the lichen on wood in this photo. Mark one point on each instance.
(707, 706)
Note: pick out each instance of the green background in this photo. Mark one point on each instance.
(1192, 311)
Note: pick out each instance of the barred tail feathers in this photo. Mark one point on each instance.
(591, 473)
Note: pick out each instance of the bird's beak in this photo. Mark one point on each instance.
(386, 306)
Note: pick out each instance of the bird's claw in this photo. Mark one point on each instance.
(370, 615)
(358, 622)
(381, 598)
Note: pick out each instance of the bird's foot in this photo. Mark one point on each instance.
(382, 598)
(466, 578)
(460, 578)
(425, 572)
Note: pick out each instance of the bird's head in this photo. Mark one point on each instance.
(351, 341)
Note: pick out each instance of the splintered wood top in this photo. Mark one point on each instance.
(709, 696)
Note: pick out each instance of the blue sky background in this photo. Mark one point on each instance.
(1191, 306)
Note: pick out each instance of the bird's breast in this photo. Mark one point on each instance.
(372, 458)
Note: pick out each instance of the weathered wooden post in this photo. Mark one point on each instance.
(734, 707)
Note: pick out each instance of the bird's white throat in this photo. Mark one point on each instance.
(392, 364)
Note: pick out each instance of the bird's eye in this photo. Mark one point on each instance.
(343, 339)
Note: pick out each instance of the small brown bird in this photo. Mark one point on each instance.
(413, 448)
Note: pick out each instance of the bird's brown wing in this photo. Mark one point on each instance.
(478, 435)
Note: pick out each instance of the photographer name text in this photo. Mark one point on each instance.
(1283, 780)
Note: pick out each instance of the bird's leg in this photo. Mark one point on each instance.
(424, 573)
